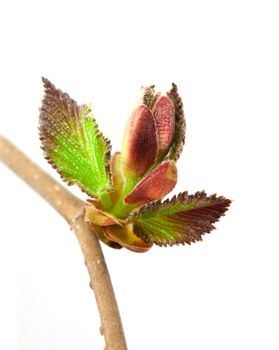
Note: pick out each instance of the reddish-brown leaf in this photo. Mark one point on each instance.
(139, 148)
(155, 186)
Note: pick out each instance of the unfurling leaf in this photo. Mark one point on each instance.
(72, 142)
(183, 219)
(118, 178)
(164, 114)
(156, 185)
(147, 96)
(180, 125)
(139, 147)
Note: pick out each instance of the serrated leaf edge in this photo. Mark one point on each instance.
(180, 125)
(183, 198)
(71, 103)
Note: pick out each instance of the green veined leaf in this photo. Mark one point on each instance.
(183, 219)
(180, 125)
(72, 142)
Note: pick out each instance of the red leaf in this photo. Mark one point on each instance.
(139, 148)
(164, 114)
(155, 186)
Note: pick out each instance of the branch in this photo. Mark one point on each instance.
(71, 208)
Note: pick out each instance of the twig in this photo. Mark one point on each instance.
(71, 208)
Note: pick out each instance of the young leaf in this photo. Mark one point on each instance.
(164, 114)
(72, 142)
(139, 146)
(147, 96)
(183, 219)
(118, 178)
(154, 186)
(180, 125)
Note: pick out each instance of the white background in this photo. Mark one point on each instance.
(224, 57)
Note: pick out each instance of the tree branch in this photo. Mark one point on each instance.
(72, 209)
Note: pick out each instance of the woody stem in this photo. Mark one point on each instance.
(72, 209)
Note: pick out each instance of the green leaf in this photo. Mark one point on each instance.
(183, 219)
(72, 142)
(180, 125)
(117, 176)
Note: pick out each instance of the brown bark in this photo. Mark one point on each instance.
(72, 209)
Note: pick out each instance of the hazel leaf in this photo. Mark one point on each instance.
(154, 186)
(183, 219)
(72, 142)
(118, 178)
(147, 96)
(164, 114)
(180, 125)
(139, 146)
